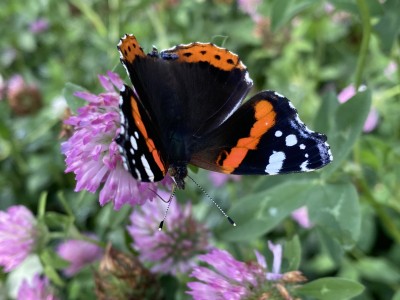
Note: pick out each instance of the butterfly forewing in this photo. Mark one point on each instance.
(189, 88)
(138, 141)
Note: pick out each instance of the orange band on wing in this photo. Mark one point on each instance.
(149, 142)
(265, 118)
(198, 52)
(130, 48)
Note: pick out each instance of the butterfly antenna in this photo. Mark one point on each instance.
(169, 204)
(165, 201)
(215, 203)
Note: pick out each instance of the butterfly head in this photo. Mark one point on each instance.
(178, 172)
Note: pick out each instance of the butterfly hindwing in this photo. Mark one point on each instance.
(139, 145)
(264, 136)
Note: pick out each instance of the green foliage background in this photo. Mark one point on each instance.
(299, 48)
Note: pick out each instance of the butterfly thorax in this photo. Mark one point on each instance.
(178, 171)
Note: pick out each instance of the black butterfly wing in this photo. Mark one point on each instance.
(188, 90)
(264, 136)
(141, 150)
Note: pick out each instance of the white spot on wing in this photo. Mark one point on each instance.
(275, 163)
(126, 69)
(279, 95)
(136, 134)
(291, 140)
(133, 143)
(122, 117)
(302, 146)
(147, 168)
(303, 166)
(138, 174)
(247, 78)
(278, 133)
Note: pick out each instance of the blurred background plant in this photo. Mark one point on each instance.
(338, 61)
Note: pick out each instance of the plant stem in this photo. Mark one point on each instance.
(366, 25)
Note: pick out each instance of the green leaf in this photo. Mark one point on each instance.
(331, 289)
(283, 11)
(52, 274)
(332, 246)
(396, 296)
(388, 27)
(257, 214)
(73, 102)
(336, 210)
(324, 121)
(375, 8)
(279, 12)
(50, 258)
(170, 286)
(349, 123)
(292, 253)
(372, 269)
(349, 6)
(57, 220)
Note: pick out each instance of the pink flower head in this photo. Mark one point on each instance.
(232, 279)
(229, 278)
(38, 289)
(250, 7)
(218, 179)
(300, 215)
(39, 26)
(18, 234)
(92, 153)
(79, 253)
(276, 264)
(175, 247)
(347, 93)
(372, 120)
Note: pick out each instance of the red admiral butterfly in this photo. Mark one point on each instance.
(186, 108)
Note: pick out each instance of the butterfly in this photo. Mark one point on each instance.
(187, 106)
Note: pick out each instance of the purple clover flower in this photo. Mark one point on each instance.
(232, 279)
(38, 289)
(92, 153)
(372, 120)
(175, 247)
(18, 235)
(276, 264)
(300, 215)
(39, 26)
(79, 253)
